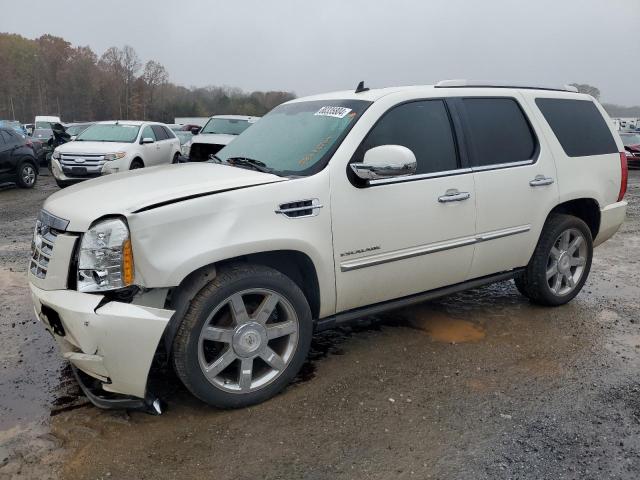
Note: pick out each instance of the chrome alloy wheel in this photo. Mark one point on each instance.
(248, 340)
(28, 175)
(566, 262)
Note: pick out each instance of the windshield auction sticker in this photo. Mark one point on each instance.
(336, 112)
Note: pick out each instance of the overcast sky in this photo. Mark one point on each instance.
(310, 47)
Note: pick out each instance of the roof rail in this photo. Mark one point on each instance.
(460, 83)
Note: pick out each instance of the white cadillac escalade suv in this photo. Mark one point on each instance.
(330, 208)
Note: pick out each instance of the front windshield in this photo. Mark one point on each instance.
(227, 126)
(297, 138)
(109, 132)
(630, 138)
(76, 129)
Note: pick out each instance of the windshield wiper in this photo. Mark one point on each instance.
(249, 163)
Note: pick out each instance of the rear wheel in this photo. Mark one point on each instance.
(561, 262)
(27, 175)
(244, 337)
(176, 158)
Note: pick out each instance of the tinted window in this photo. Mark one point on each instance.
(578, 125)
(168, 132)
(500, 133)
(424, 128)
(148, 133)
(159, 131)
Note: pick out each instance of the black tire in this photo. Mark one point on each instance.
(136, 163)
(176, 158)
(231, 280)
(533, 282)
(27, 174)
(62, 184)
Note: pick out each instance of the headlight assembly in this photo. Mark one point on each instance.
(55, 155)
(105, 260)
(114, 156)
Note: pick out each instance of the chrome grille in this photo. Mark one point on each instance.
(48, 227)
(92, 162)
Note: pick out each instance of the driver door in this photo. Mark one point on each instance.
(401, 236)
(151, 151)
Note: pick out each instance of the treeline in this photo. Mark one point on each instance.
(49, 76)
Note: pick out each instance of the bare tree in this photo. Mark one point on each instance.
(154, 75)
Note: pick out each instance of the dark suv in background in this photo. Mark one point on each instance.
(17, 159)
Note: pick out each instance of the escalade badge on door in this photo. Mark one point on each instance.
(361, 250)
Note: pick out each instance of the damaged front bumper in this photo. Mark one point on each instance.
(113, 343)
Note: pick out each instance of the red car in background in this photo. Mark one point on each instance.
(631, 141)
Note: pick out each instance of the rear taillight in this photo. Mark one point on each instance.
(624, 178)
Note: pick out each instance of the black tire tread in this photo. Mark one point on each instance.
(225, 275)
(531, 282)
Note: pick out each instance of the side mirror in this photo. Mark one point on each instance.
(147, 140)
(195, 130)
(386, 161)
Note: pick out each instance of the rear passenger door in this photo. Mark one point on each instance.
(5, 154)
(515, 179)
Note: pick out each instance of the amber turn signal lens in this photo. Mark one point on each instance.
(127, 262)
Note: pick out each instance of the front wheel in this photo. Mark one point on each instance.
(244, 337)
(560, 263)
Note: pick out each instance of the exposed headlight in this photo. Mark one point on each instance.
(114, 156)
(185, 149)
(105, 260)
(56, 155)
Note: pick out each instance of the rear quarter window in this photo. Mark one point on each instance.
(578, 125)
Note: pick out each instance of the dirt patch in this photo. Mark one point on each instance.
(442, 327)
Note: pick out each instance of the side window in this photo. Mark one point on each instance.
(148, 133)
(168, 132)
(578, 125)
(499, 131)
(159, 131)
(424, 128)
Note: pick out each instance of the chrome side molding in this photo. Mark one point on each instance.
(381, 258)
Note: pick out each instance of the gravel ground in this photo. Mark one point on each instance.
(477, 385)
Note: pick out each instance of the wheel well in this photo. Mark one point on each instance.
(586, 209)
(138, 159)
(31, 160)
(295, 265)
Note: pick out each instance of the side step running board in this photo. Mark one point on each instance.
(352, 315)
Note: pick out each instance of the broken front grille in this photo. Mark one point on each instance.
(48, 227)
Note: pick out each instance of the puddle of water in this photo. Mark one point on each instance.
(441, 327)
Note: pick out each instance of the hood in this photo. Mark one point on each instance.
(93, 147)
(128, 192)
(213, 138)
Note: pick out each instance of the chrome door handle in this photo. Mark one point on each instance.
(540, 181)
(453, 195)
